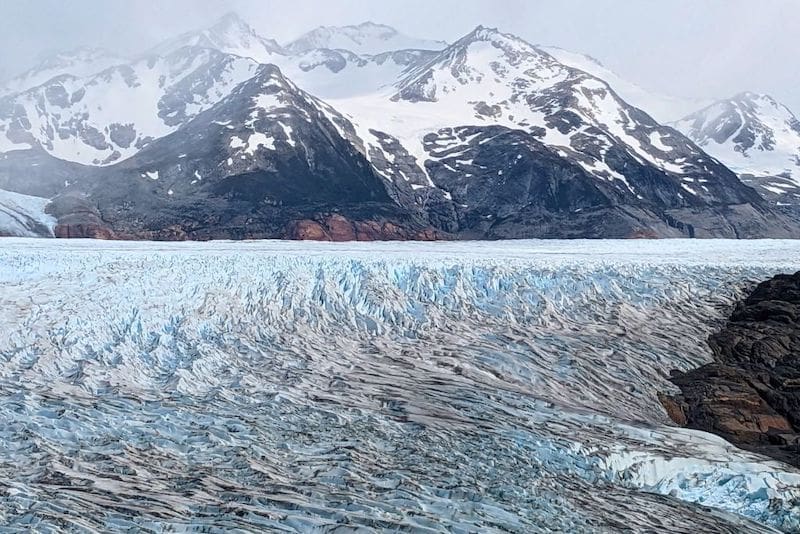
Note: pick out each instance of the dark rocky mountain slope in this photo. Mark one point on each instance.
(265, 162)
(488, 138)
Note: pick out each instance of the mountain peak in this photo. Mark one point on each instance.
(473, 60)
(749, 95)
(755, 106)
(751, 133)
(231, 17)
(374, 25)
(231, 21)
(230, 34)
(482, 33)
(367, 38)
(481, 30)
(495, 36)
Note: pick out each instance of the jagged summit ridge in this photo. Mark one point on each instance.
(475, 61)
(107, 117)
(367, 38)
(489, 136)
(230, 34)
(756, 136)
(662, 107)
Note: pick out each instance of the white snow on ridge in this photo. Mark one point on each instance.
(367, 38)
(663, 108)
(485, 82)
(230, 35)
(126, 98)
(657, 140)
(454, 104)
(24, 215)
(258, 140)
(358, 77)
(80, 63)
(490, 78)
(751, 134)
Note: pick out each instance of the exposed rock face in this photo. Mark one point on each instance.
(490, 138)
(750, 394)
(265, 162)
(552, 152)
(79, 219)
(338, 228)
(83, 231)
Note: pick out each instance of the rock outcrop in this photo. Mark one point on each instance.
(750, 394)
(339, 228)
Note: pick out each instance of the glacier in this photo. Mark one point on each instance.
(410, 387)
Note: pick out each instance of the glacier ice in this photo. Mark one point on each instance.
(286, 386)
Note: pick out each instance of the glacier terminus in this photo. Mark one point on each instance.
(402, 387)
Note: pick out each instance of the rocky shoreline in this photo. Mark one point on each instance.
(750, 393)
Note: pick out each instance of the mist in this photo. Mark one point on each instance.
(709, 49)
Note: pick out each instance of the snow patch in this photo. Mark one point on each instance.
(24, 215)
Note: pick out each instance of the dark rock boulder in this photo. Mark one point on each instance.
(750, 394)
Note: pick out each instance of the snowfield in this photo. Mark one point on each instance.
(24, 215)
(286, 386)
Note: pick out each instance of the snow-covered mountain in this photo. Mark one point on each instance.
(112, 115)
(106, 117)
(335, 74)
(490, 79)
(664, 108)
(367, 38)
(262, 162)
(489, 137)
(756, 137)
(79, 63)
(352, 61)
(497, 135)
(230, 35)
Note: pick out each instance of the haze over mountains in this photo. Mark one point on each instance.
(360, 132)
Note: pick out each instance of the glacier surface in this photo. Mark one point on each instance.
(281, 386)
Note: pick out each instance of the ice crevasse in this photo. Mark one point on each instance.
(446, 386)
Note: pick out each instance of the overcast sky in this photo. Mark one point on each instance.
(696, 48)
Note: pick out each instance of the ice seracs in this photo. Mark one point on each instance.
(404, 371)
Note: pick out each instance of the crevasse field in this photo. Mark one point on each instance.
(461, 387)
